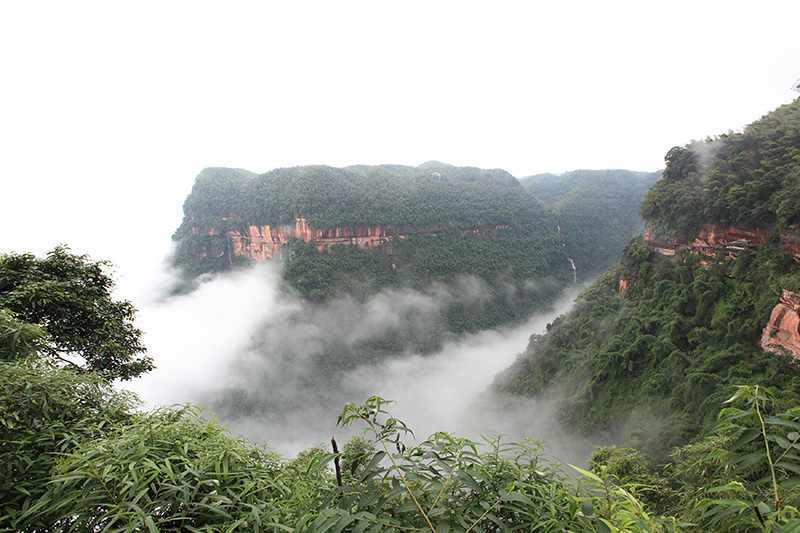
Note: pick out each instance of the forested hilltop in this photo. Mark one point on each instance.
(597, 212)
(652, 349)
(741, 179)
(360, 229)
(357, 230)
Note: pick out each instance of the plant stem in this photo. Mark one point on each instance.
(769, 455)
(400, 472)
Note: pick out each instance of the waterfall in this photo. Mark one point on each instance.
(571, 262)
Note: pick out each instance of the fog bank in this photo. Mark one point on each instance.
(277, 370)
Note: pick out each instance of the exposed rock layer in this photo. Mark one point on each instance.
(260, 243)
(714, 240)
(782, 333)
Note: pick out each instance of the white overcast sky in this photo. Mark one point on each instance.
(108, 110)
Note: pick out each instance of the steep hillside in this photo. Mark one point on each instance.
(360, 229)
(652, 349)
(597, 212)
(737, 179)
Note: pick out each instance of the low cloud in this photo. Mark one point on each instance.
(277, 370)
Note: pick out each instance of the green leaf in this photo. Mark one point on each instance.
(587, 507)
(780, 421)
(603, 526)
(745, 437)
(468, 480)
(748, 460)
(151, 526)
(518, 497)
(792, 467)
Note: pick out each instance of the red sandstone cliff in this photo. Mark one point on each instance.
(623, 285)
(264, 242)
(713, 240)
(782, 333)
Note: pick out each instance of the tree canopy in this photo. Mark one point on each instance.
(665, 352)
(62, 307)
(596, 212)
(387, 195)
(748, 178)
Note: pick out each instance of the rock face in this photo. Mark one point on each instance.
(264, 242)
(260, 243)
(623, 285)
(715, 237)
(782, 333)
(715, 240)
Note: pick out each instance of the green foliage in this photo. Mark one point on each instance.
(655, 362)
(355, 454)
(168, 470)
(320, 275)
(597, 212)
(470, 205)
(19, 339)
(615, 505)
(394, 196)
(69, 297)
(479, 232)
(454, 484)
(744, 179)
(216, 199)
(46, 412)
(761, 465)
(445, 483)
(76, 458)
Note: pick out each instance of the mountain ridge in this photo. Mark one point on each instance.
(664, 337)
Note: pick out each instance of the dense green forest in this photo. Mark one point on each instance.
(668, 361)
(456, 221)
(597, 212)
(388, 195)
(745, 179)
(652, 363)
(459, 220)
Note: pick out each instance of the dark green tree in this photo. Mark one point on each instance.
(69, 297)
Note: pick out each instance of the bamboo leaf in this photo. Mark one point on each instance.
(792, 467)
(745, 437)
(468, 480)
(151, 526)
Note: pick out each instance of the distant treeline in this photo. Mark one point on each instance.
(386, 195)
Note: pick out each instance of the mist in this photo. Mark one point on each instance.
(277, 370)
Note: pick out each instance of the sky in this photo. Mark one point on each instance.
(108, 110)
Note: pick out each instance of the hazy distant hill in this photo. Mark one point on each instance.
(597, 212)
(708, 301)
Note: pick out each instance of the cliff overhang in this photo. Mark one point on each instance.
(716, 241)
